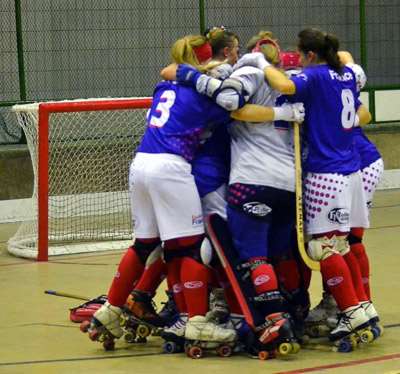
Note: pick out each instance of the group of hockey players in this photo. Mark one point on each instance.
(212, 188)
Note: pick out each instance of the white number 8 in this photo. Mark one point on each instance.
(163, 107)
(348, 111)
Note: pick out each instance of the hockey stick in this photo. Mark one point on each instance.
(64, 294)
(313, 265)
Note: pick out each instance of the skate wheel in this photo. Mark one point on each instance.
(195, 352)
(285, 348)
(143, 331)
(345, 346)
(367, 336)
(84, 326)
(94, 335)
(130, 337)
(170, 347)
(264, 355)
(224, 351)
(295, 347)
(109, 345)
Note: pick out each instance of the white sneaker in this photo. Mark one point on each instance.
(200, 328)
(325, 312)
(109, 316)
(179, 327)
(370, 312)
(352, 319)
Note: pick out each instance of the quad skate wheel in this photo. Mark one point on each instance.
(170, 347)
(130, 337)
(224, 351)
(143, 331)
(367, 336)
(109, 345)
(195, 352)
(345, 346)
(285, 348)
(264, 355)
(94, 335)
(295, 348)
(84, 326)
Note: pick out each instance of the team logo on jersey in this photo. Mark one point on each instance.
(334, 281)
(197, 220)
(339, 215)
(193, 284)
(256, 208)
(261, 279)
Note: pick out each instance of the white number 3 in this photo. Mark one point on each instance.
(163, 107)
(348, 111)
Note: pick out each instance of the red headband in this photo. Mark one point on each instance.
(203, 52)
(290, 60)
(261, 42)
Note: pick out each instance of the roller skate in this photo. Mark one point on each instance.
(85, 311)
(104, 326)
(203, 334)
(169, 312)
(352, 330)
(139, 318)
(323, 318)
(277, 337)
(174, 335)
(372, 314)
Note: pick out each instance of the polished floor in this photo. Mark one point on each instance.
(38, 337)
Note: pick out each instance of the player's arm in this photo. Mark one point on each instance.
(345, 57)
(363, 116)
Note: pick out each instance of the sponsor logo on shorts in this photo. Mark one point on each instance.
(197, 220)
(261, 279)
(339, 215)
(334, 281)
(256, 208)
(193, 284)
(177, 287)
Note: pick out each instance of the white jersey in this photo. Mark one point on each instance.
(261, 154)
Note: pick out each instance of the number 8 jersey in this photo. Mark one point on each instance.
(331, 102)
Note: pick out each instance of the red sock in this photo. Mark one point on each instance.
(264, 279)
(359, 251)
(152, 276)
(195, 278)
(175, 284)
(129, 271)
(354, 268)
(288, 274)
(337, 277)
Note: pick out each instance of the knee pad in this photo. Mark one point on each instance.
(183, 247)
(321, 248)
(143, 248)
(353, 239)
(342, 245)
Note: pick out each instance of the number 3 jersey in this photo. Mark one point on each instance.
(178, 119)
(331, 101)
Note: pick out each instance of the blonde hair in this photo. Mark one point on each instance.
(270, 51)
(182, 52)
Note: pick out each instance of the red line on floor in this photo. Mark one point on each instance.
(343, 364)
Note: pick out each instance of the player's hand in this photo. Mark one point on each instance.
(298, 112)
(169, 72)
(290, 112)
(255, 59)
(187, 74)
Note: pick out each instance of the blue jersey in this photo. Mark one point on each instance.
(331, 102)
(211, 165)
(177, 119)
(367, 150)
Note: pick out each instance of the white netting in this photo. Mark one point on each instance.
(89, 157)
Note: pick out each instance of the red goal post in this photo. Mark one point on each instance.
(69, 142)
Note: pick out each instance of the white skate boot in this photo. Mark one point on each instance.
(373, 316)
(323, 317)
(174, 335)
(178, 327)
(105, 325)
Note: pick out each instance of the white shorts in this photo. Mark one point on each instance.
(164, 198)
(334, 202)
(371, 176)
(215, 202)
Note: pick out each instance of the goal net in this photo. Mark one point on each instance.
(80, 151)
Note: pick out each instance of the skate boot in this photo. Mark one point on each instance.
(169, 313)
(203, 334)
(141, 318)
(277, 337)
(352, 329)
(105, 325)
(219, 310)
(373, 316)
(174, 335)
(322, 318)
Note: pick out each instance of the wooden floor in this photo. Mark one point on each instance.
(38, 337)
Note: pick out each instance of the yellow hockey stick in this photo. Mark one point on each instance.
(313, 265)
(64, 294)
